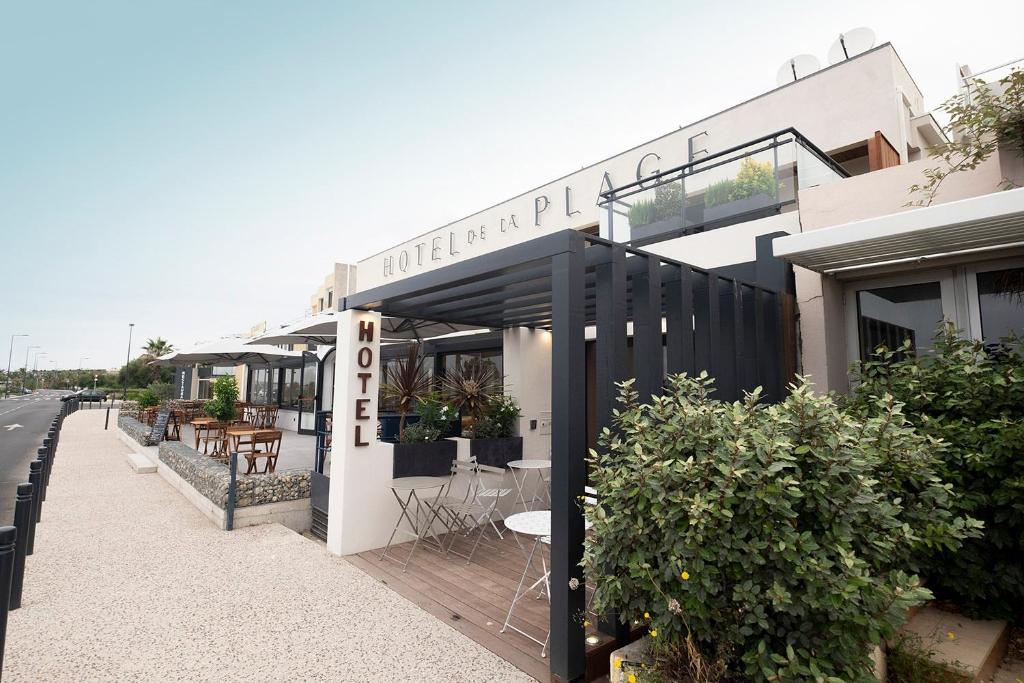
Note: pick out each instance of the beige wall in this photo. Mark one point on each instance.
(834, 108)
(337, 284)
(823, 336)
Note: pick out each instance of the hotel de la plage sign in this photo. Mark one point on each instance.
(553, 207)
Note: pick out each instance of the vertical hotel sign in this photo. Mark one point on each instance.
(364, 376)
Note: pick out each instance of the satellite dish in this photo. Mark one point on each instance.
(851, 43)
(796, 68)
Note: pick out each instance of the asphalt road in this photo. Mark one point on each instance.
(24, 421)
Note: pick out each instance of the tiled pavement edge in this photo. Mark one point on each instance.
(129, 582)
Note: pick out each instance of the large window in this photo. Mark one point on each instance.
(1001, 304)
(206, 376)
(291, 387)
(262, 389)
(450, 361)
(890, 315)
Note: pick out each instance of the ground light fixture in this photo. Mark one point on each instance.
(10, 354)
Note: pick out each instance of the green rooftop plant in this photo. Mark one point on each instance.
(642, 212)
(667, 203)
(719, 193)
(754, 178)
(225, 394)
(765, 541)
(972, 398)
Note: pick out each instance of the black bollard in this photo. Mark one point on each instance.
(8, 538)
(35, 472)
(106, 421)
(42, 456)
(50, 451)
(22, 520)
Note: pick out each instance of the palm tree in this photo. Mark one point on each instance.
(157, 347)
(406, 382)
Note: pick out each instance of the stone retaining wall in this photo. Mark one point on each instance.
(130, 409)
(211, 478)
(135, 429)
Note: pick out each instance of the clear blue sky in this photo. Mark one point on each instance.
(197, 167)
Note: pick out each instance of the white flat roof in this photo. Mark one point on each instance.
(978, 224)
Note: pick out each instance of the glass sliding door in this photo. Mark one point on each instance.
(307, 398)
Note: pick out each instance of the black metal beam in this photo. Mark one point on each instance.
(568, 466)
(647, 353)
(679, 321)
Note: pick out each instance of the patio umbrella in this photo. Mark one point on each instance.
(229, 352)
(322, 328)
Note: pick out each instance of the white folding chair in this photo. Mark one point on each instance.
(476, 513)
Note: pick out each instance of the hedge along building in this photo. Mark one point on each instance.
(659, 259)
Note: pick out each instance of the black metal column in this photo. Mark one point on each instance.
(647, 351)
(679, 322)
(612, 361)
(568, 467)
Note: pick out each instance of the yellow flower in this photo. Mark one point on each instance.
(631, 678)
(586, 623)
(617, 664)
(685, 576)
(654, 633)
(951, 635)
(647, 615)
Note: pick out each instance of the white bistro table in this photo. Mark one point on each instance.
(537, 524)
(419, 511)
(525, 467)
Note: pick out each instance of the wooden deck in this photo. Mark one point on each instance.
(474, 598)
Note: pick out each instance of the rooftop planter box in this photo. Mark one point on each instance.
(496, 452)
(738, 207)
(429, 459)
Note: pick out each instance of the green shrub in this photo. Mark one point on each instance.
(222, 405)
(973, 399)
(719, 193)
(163, 391)
(499, 419)
(754, 178)
(435, 414)
(642, 213)
(765, 538)
(148, 398)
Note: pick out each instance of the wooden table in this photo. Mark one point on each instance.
(199, 424)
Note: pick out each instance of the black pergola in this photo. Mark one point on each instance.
(741, 333)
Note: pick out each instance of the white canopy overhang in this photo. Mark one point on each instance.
(225, 352)
(977, 225)
(322, 328)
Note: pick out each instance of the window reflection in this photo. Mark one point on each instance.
(1001, 303)
(890, 315)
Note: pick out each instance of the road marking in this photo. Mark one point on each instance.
(12, 427)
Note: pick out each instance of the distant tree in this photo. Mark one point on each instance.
(157, 347)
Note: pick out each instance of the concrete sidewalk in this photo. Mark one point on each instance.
(129, 582)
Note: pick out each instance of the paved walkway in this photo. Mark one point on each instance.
(129, 582)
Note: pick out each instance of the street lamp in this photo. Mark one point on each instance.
(35, 365)
(7, 385)
(83, 358)
(34, 346)
(131, 327)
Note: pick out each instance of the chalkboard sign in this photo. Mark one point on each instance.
(156, 434)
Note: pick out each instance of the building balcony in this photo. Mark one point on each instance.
(750, 181)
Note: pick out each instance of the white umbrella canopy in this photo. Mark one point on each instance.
(229, 352)
(322, 328)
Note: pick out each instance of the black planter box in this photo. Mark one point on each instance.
(432, 459)
(496, 452)
(738, 207)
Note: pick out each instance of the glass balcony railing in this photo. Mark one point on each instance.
(749, 181)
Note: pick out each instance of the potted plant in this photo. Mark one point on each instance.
(754, 187)
(222, 406)
(494, 439)
(423, 450)
(470, 387)
(661, 214)
(405, 383)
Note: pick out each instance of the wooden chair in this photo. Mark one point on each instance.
(270, 417)
(173, 432)
(270, 440)
(215, 433)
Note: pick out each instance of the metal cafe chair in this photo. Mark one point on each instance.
(477, 511)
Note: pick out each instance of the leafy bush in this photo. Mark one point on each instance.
(719, 193)
(435, 414)
(148, 398)
(754, 178)
(222, 405)
(499, 419)
(973, 399)
(765, 539)
(642, 212)
(163, 391)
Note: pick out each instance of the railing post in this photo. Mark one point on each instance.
(22, 521)
(8, 538)
(229, 513)
(35, 471)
